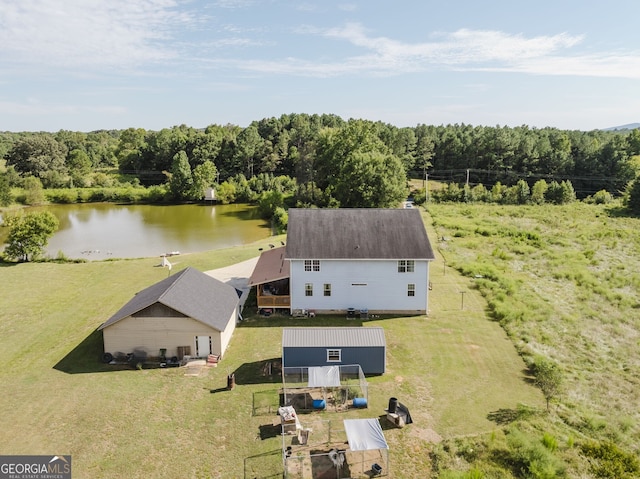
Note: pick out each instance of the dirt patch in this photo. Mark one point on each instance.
(194, 368)
(426, 434)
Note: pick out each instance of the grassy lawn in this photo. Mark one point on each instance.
(454, 369)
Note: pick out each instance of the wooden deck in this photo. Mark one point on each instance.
(273, 301)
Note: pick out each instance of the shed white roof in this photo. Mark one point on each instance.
(333, 337)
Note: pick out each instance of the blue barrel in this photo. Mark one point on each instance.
(359, 402)
(319, 404)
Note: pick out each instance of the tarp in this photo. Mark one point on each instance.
(364, 434)
(324, 376)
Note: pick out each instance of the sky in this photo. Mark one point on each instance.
(86, 65)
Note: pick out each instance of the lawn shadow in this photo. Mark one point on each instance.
(528, 376)
(268, 431)
(280, 320)
(218, 390)
(86, 357)
(7, 264)
(505, 416)
(385, 424)
(260, 372)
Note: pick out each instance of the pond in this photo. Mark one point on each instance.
(97, 231)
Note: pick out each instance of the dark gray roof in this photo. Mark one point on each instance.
(338, 337)
(357, 233)
(190, 292)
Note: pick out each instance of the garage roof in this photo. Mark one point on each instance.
(190, 292)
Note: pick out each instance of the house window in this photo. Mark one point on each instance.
(327, 289)
(406, 266)
(312, 265)
(334, 355)
(308, 289)
(411, 289)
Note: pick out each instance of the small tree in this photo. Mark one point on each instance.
(269, 201)
(226, 193)
(280, 220)
(203, 176)
(33, 191)
(181, 181)
(29, 234)
(5, 190)
(633, 197)
(538, 191)
(548, 378)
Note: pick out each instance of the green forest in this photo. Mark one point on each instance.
(319, 160)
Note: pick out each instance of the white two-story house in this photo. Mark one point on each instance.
(358, 259)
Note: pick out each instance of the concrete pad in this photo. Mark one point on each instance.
(237, 275)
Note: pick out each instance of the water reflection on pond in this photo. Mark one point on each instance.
(104, 230)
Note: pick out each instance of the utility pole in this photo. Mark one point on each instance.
(467, 176)
(426, 187)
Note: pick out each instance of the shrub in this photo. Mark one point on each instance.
(532, 459)
(549, 442)
(33, 191)
(63, 195)
(102, 180)
(602, 197)
(611, 462)
(280, 220)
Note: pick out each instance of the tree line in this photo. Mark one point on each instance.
(326, 160)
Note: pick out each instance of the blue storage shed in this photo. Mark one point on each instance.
(316, 346)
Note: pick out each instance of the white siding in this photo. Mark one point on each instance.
(225, 336)
(375, 285)
(150, 334)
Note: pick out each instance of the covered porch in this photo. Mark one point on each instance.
(271, 279)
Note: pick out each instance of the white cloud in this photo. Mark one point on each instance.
(460, 47)
(615, 65)
(88, 33)
(461, 50)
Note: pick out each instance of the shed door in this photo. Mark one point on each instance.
(203, 346)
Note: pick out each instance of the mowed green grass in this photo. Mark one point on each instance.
(452, 368)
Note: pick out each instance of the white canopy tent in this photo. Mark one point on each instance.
(324, 376)
(365, 434)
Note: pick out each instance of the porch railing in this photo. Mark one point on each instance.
(274, 301)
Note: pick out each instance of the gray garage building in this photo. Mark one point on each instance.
(316, 346)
